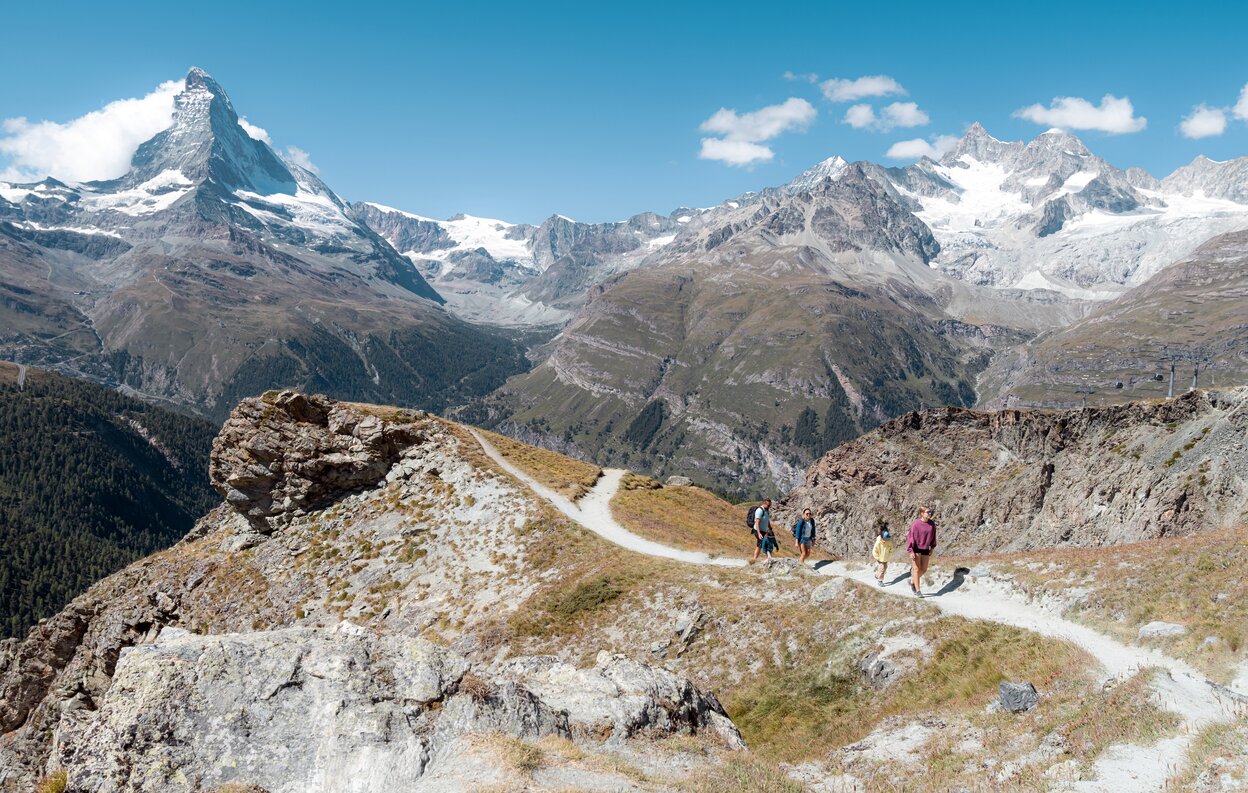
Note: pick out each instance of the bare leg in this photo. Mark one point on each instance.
(923, 561)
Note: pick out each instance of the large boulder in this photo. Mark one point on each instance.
(284, 454)
(621, 698)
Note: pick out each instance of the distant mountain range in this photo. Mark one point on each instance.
(731, 343)
(787, 320)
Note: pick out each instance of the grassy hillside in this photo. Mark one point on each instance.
(90, 480)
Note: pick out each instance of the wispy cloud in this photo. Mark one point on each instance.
(915, 148)
(744, 133)
(841, 90)
(803, 77)
(259, 133)
(1114, 115)
(898, 114)
(1240, 111)
(299, 157)
(1203, 122)
(98, 145)
(734, 152)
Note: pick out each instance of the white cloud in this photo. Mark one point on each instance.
(898, 114)
(860, 116)
(744, 132)
(299, 157)
(1115, 116)
(1240, 111)
(98, 145)
(1203, 122)
(803, 77)
(839, 90)
(734, 152)
(258, 133)
(763, 124)
(918, 147)
(905, 114)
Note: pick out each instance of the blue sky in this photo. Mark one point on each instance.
(594, 111)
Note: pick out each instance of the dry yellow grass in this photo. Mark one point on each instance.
(690, 518)
(573, 478)
(53, 783)
(685, 517)
(1194, 581)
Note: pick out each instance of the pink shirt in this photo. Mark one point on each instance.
(922, 536)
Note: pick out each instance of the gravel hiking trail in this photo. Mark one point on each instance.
(593, 511)
(1122, 767)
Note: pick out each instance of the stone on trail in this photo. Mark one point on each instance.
(1160, 630)
(1017, 697)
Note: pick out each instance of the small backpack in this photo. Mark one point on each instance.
(749, 517)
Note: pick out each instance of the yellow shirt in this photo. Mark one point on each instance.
(882, 550)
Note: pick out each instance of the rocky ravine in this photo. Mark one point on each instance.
(1022, 479)
(269, 647)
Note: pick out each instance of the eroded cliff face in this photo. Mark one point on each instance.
(1022, 479)
(328, 628)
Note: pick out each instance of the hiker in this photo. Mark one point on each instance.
(764, 537)
(804, 534)
(882, 550)
(920, 542)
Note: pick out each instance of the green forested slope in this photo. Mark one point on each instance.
(83, 492)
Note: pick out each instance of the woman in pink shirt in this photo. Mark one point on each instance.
(920, 542)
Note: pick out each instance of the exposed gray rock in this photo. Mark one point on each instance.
(828, 592)
(1160, 630)
(678, 481)
(344, 710)
(1017, 697)
(879, 671)
(285, 455)
(620, 698)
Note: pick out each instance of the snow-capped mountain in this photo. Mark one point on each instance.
(518, 274)
(213, 268)
(1049, 214)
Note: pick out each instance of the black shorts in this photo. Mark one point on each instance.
(923, 551)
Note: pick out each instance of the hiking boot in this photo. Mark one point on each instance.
(879, 582)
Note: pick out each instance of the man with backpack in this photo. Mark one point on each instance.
(759, 520)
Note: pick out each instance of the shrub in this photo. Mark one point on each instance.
(53, 783)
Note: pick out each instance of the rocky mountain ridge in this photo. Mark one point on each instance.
(1020, 479)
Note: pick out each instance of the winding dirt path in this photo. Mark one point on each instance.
(593, 511)
(1123, 767)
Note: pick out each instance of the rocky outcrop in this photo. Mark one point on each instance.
(1023, 479)
(282, 455)
(345, 710)
(621, 698)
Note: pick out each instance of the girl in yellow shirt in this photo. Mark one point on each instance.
(881, 552)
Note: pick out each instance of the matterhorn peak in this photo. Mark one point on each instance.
(206, 143)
